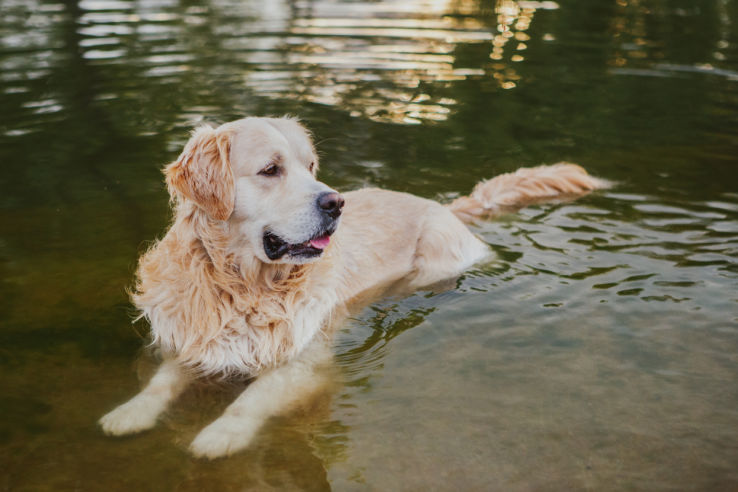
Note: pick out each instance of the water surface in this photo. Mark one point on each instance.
(599, 351)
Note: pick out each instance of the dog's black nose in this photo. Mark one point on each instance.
(330, 203)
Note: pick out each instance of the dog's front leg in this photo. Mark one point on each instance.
(272, 393)
(140, 412)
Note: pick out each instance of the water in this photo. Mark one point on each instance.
(599, 351)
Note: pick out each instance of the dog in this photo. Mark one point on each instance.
(261, 255)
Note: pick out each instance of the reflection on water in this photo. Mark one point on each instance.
(348, 55)
(373, 59)
(513, 19)
(639, 51)
(610, 393)
(598, 351)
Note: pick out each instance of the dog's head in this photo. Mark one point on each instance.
(258, 174)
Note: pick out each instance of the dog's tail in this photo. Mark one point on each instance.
(528, 185)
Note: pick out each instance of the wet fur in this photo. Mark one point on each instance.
(216, 306)
(215, 312)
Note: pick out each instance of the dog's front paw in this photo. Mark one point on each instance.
(133, 416)
(224, 437)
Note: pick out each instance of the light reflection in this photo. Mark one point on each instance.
(630, 34)
(342, 49)
(352, 52)
(513, 19)
(640, 51)
(371, 59)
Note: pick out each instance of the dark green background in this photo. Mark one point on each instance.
(598, 351)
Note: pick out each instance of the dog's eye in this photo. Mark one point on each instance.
(311, 167)
(271, 170)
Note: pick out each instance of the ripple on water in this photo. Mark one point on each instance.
(370, 59)
(633, 252)
(598, 348)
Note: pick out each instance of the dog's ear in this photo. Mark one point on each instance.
(203, 172)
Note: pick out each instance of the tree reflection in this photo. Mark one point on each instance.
(426, 96)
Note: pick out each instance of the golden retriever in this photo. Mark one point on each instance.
(261, 254)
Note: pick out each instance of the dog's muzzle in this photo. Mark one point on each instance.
(330, 205)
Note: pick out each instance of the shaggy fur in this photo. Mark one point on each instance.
(218, 304)
(523, 187)
(212, 310)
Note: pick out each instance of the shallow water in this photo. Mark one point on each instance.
(598, 351)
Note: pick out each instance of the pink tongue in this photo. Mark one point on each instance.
(320, 242)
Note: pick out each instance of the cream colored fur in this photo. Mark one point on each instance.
(218, 305)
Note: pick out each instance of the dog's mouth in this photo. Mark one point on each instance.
(275, 247)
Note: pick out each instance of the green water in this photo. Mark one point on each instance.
(600, 350)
